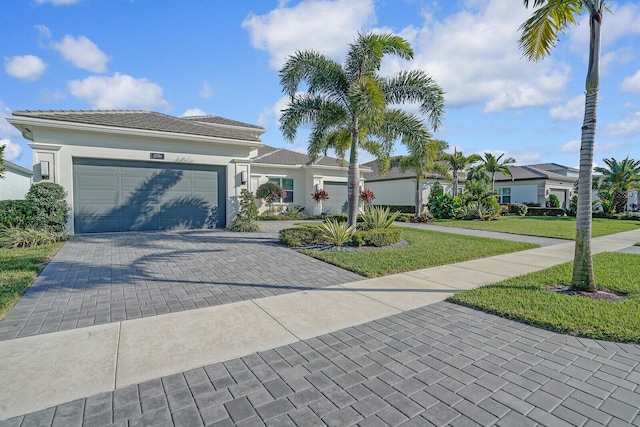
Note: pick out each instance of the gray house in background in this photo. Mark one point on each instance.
(535, 183)
(16, 182)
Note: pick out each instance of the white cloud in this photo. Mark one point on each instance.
(118, 91)
(571, 146)
(6, 129)
(623, 22)
(273, 112)
(11, 150)
(83, 53)
(206, 91)
(572, 109)
(57, 2)
(628, 126)
(631, 83)
(326, 26)
(25, 67)
(574, 146)
(43, 31)
(193, 112)
(474, 55)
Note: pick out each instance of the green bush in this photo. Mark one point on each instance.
(545, 212)
(409, 209)
(444, 207)
(377, 237)
(573, 206)
(337, 233)
(15, 213)
(405, 217)
(518, 208)
(378, 217)
(302, 236)
(18, 237)
(553, 201)
(49, 207)
(247, 215)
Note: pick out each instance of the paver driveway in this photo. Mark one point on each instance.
(104, 278)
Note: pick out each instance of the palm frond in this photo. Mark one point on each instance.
(306, 108)
(366, 53)
(322, 74)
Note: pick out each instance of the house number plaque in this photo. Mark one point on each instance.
(157, 156)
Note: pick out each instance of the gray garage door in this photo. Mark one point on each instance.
(337, 202)
(112, 195)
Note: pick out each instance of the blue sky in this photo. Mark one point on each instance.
(222, 58)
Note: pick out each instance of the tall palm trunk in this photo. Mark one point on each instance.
(583, 278)
(455, 182)
(418, 198)
(353, 176)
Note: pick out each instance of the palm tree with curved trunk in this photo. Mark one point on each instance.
(423, 162)
(458, 162)
(539, 35)
(619, 178)
(348, 104)
(492, 164)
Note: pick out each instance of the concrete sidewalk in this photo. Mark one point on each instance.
(46, 370)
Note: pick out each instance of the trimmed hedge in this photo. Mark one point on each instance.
(400, 208)
(302, 236)
(15, 213)
(377, 237)
(545, 212)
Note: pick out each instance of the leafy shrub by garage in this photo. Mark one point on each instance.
(377, 237)
(553, 201)
(302, 236)
(15, 213)
(49, 207)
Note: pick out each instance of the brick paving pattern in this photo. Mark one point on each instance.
(438, 365)
(105, 278)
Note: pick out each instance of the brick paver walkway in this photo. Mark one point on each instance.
(97, 279)
(439, 365)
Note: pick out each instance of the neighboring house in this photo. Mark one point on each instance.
(399, 188)
(142, 170)
(633, 204)
(16, 182)
(300, 177)
(535, 183)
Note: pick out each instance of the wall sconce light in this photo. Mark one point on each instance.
(243, 177)
(547, 192)
(317, 187)
(44, 170)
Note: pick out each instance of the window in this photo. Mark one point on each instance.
(504, 195)
(287, 184)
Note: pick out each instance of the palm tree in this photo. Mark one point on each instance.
(477, 173)
(2, 169)
(457, 162)
(619, 178)
(422, 162)
(478, 192)
(539, 35)
(348, 105)
(491, 164)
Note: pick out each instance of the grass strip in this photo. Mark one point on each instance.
(426, 249)
(527, 299)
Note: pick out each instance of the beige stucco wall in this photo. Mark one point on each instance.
(60, 147)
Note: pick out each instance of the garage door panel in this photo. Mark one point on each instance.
(128, 195)
(337, 198)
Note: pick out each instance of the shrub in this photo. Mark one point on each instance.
(434, 194)
(320, 195)
(518, 208)
(532, 204)
(247, 215)
(15, 213)
(18, 237)
(376, 237)
(367, 196)
(49, 207)
(504, 209)
(337, 233)
(444, 207)
(573, 206)
(545, 212)
(553, 201)
(405, 217)
(378, 218)
(411, 209)
(302, 236)
(270, 192)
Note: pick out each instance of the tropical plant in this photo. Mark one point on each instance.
(479, 195)
(320, 195)
(337, 232)
(458, 162)
(348, 105)
(492, 164)
(48, 207)
(477, 173)
(247, 216)
(422, 162)
(435, 193)
(367, 196)
(539, 35)
(18, 237)
(378, 217)
(445, 207)
(620, 178)
(606, 200)
(270, 192)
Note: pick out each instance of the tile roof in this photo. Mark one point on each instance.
(531, 172)
(222, 121)
(282, 156)
(148, 120)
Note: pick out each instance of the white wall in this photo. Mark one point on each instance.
(59, 147)
(521, 192)
(402, 191)
(15, 185)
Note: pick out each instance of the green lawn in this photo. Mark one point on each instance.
(18, 269)
(425, 249)
(526, 299)
(544, 226)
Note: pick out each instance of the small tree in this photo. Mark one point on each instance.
(246, 219)
(49, 207)
(553, 201)
(270, 192)
(436, 192)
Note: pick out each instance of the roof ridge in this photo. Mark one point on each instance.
(267, 154)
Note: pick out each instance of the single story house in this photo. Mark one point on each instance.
(16, 182)
(529, 184)
(398, 187)
(129, 170)
(535, 183)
